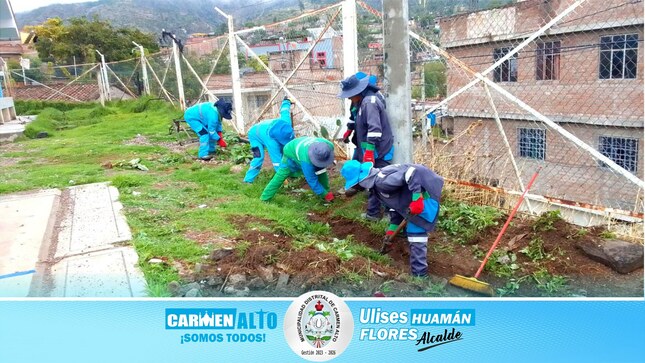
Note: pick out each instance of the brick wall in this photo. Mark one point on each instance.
(569, 172)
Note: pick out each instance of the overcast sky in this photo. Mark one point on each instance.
(26, 5)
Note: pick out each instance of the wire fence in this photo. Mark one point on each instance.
(564, 89)
(305, 54)
(556, 85)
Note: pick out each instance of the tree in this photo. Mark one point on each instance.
(59, 42)
(253, 63)
(435, 74)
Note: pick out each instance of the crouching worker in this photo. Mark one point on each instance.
(272, 135)
(410, 191)
(206, 120)
(305, 155)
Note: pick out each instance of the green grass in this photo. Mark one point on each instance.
(462, 222)
(546, 221)
(175, 196)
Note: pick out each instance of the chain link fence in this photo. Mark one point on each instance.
(555, 85)
(564, 89)
(48, 82)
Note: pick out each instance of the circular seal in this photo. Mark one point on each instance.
(318, 326)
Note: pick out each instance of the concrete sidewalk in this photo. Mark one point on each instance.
(70, 243)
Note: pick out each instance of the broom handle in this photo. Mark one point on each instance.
(508, 221)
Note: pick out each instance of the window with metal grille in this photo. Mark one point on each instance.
(548, 61)
(532, 143)
(507, 71)
(321, 57)
(622, 151)
(260, 100)
(618, 56)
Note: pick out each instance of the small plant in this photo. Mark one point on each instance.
(386, 287)
(501, 264)
(551, 284)
(132, 164)
(546, 221)
(353, 277)
(443, 248)
(172, 159)
(242, 248)
(238, 153)
(339, 249)
(478, 253)
(434, 290)
(606, 234)
(510, 288)
(535, 250)
(581, 232)
(464, 221)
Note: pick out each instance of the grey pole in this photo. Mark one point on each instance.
(397, 76)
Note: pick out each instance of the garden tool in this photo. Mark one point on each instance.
(472, 283)
(388, 240)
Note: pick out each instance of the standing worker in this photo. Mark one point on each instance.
(411, 191)
(272, 135)
(374, 139)
(206, 120)
(353, 112)
(305, 155)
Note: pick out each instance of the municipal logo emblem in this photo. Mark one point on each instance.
(318, 326)
(319, 329)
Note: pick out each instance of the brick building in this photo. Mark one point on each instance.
(585, 73)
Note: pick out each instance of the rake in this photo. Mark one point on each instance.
(472, 283)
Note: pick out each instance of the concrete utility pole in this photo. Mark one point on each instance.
(235, 73)
(397, 76)
(144, 69)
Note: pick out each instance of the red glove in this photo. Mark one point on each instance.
(368, 157)
(416, 207)
(221, 141)
(346, 136)
(329, 197)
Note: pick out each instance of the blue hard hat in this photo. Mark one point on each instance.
(354, 172)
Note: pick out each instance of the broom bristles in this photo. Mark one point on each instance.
(472, 284)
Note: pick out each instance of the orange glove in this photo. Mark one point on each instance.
(221, 141)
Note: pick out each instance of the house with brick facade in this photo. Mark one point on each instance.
(585, 73)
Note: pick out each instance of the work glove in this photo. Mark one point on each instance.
(329, 197)
(286, 98)
(221, 141)
(416, 206)
(346, 136)
(368, 157)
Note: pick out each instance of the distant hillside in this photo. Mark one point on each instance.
(187, 16)
(198, 16)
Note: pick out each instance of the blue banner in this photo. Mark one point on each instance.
(317, 328)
